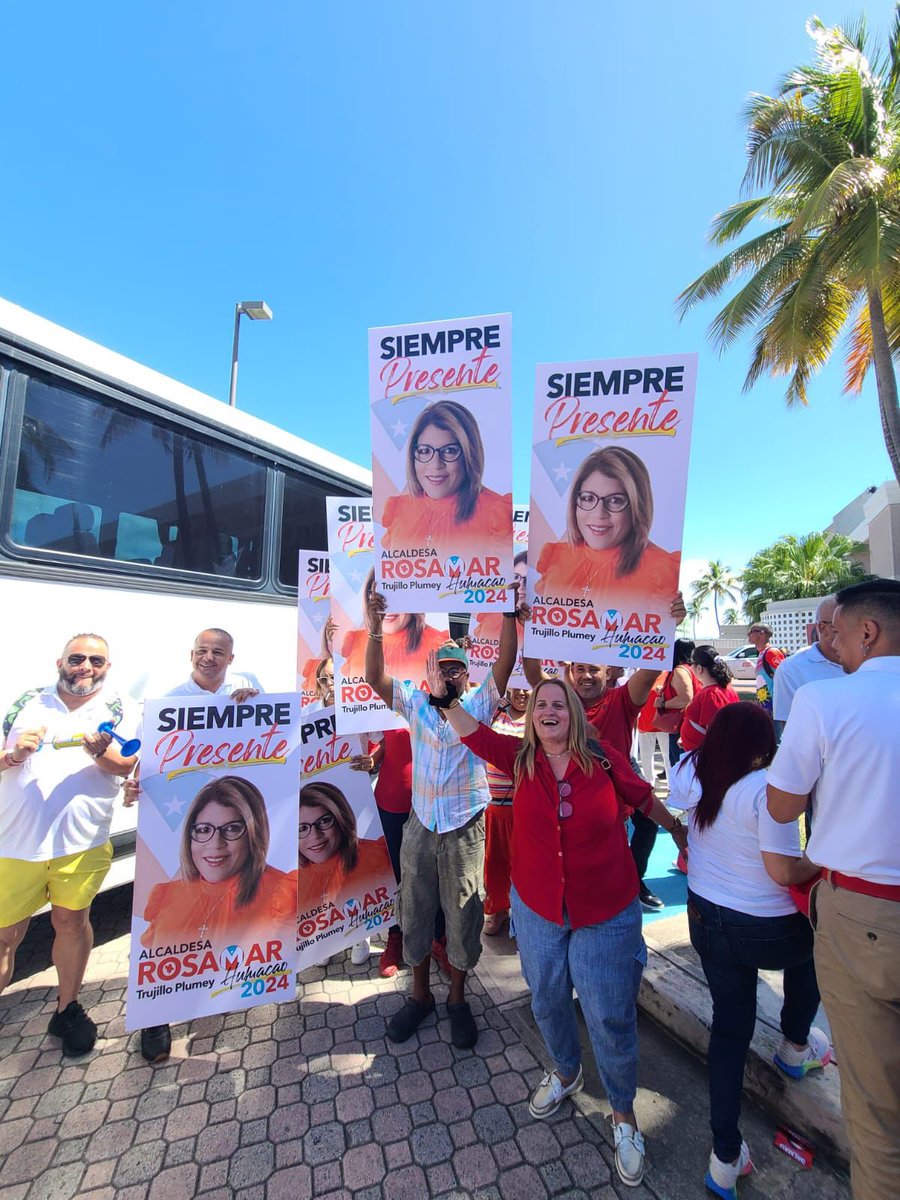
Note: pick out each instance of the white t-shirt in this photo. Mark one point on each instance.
(725, 865)
(843, 739)
(806, 666)
(59, 802)
(234, 681)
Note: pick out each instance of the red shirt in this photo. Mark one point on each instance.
(393, 791)
(583, 861)
(614, 716)
(701, 710)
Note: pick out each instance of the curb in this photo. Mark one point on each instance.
(674, 994)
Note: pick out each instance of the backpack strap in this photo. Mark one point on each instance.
(10, 719)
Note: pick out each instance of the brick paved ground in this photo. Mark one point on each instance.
(308, 1099)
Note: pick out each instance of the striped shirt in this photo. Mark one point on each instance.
(500, 784)
(449, 784)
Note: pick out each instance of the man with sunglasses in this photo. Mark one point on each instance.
(59, 778)
(442, 852)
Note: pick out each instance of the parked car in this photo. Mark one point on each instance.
(742, 662)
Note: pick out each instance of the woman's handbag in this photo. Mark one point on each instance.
(668, 722)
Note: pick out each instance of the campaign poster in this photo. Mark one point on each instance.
(213, 927)
(441, 411)
(608, 480)
(406, 637)
(345, 882)
(314, 649)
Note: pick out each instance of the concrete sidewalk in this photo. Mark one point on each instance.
(308, 1101)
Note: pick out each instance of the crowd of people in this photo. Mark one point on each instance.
(513, 805)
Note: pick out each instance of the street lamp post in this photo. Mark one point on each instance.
(256, 310)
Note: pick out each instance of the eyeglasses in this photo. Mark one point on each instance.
(305, 828)
(452, 672)
(447, 454)
(615, 502)
(565, 807)
(232, 831)
(96, 660)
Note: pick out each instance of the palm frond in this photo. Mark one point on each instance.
(734, 220)
(751, 256)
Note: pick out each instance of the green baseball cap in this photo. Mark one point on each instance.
(450, 652)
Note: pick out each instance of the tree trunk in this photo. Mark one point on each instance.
(886, 380)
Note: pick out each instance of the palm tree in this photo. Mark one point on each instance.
(719, 584)
(825, 151)
(731, 616)
(694, 610)
(793, 568)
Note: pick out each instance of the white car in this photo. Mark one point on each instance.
(742, 662)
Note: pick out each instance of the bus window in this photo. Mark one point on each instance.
(303, 521)
(99, 479)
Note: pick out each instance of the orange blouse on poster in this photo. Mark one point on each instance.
(575, 572)
(319, 883)
(191, 910)
(411, 521)
(398, 661)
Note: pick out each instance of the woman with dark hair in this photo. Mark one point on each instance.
(445, 505)
(574, 897)
(334, 861)
(743, 919)
(225, 888)
(714, 676)
(608, 551)
(406, 640)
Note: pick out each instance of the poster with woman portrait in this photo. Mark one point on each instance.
(213, 925)
(314, 628)
(406, 637)
(441, 411)
(345, 882)
(608, 480)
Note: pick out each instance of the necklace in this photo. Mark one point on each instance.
(561, 754)
(204, 928)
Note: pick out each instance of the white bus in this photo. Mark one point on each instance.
(140, 509)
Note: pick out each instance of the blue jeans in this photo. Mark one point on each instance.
(604, 963)
(733, 947)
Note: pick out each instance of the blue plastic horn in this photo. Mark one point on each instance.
(128, 748)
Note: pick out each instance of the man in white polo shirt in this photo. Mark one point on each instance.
(818, 661)
(59, 782)
(211, 656)
(842, 739)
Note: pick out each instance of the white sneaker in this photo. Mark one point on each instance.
(550, 1093)
(360, 953)
(629, 1153)
(816, 1053)
(722, 1177)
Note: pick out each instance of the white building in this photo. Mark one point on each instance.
(874, 519)
(789, 619)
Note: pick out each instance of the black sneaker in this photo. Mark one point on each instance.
(75, 1028)
(649, 901)
(156, 1042)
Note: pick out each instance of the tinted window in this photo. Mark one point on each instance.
(303, 524)
(97, 478)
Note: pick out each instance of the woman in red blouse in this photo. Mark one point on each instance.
(715, 692)
(574, 893)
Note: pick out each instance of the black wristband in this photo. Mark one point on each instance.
(444, 701)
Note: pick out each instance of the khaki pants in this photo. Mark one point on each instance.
(446, 870)
(858, 966)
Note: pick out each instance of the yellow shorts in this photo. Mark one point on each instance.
(68, 882)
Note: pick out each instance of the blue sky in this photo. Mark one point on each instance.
(370, 164)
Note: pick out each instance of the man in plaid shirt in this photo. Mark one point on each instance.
(442, 855)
